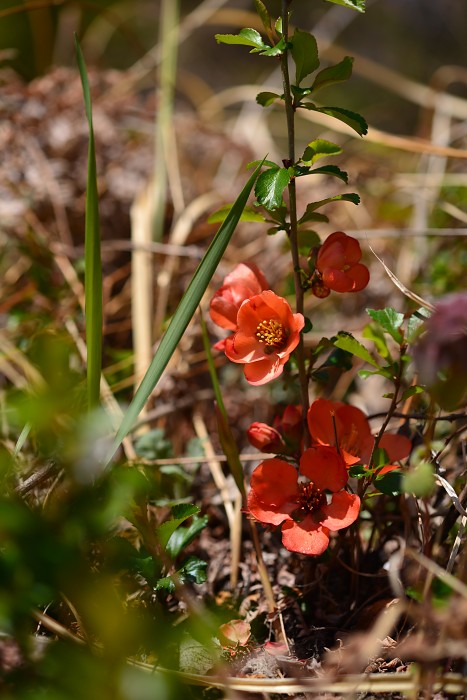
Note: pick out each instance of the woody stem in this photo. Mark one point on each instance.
(290, 114)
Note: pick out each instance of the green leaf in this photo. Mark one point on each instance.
(264, 15)
(246, 37)
(333, 74)
(194, 570)
(331, 170)
(358, 5)
(267, 98)
(180, 513)
(248, 214)
(357, 471)
(270, 186)
(304, 51)
(382, 371)
(182, 536)
(346, 341)
(412, 391)
(275, 50)
(312, 206)
(352, 119)
(375, 333)
(415, 323)
(184, 313)
(380, 458)
(92, 255)
(255, 163)
(319, 148)
(307, 240)
(390, 320)
(390, 483)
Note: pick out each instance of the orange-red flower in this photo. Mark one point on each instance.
(267, 332)
(283, 437)
(265, 438)
(338, 262)
(329, 421)
(243, 282)
(310, 509)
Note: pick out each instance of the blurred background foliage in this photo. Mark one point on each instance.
(415, 37)
(68, 542)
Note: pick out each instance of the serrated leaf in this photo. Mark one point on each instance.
(248, 214)
(346, 341)
(352, 119)
(333, 74)
(312, 206)
(390, 320)
(358, 5)
(304, 51)
(332, 170)
(307, 240)
(320, 148)
(245, 37)
(267, 98)
(180, 513)
(278, 26)
(270, 186)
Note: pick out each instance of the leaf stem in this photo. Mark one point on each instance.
(290, 114)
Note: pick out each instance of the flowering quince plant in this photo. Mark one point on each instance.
(326, 451)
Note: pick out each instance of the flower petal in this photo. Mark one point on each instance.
(360, 275)
(268, 515)
(324, 466)
(337, 280)
(341, 512)
(398, 447)
(263, 371)
(306, 537)
(274, 482)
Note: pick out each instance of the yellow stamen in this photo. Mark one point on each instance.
(271, 333)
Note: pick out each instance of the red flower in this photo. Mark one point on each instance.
(339, 266)
(330, 419)
(265, 438)
(307, 510)
(267, 332)
(243, 282)
(283, 437)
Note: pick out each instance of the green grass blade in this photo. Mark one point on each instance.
(93, 263)
(184, 312)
